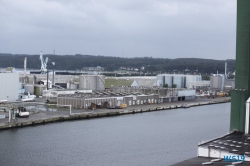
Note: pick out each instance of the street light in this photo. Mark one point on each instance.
(53, 63)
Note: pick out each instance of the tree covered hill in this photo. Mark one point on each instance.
(78, 61)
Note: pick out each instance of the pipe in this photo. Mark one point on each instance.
(9, 115)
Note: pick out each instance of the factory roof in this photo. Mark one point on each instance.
(102, 95)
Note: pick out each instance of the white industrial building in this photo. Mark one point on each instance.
(220, 82)
(83, 82)
(9, 86)
(181, 81)
(164, 94)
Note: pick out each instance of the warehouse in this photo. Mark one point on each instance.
(105, 99)
(164, 94)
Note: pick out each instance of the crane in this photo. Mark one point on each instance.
(43, 63)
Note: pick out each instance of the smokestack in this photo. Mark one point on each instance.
(25, 64)
(226, 69)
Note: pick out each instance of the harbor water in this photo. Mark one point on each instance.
(153, 138)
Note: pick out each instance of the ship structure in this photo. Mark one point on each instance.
(234, 147)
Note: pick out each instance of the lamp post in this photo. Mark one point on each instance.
(53, 74)
(47, 80)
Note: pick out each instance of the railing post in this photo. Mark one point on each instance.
(247, 116)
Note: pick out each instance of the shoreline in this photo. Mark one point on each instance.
(43, 117)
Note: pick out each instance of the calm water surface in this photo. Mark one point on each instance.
(155, 138)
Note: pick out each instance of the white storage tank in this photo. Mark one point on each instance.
(198, 78)
(216, 82)
(178, 80)
(39, 89)
(169, 80)
(92, 82)
(100, 82)
(161, 79)
(190, 79)
(29, 88)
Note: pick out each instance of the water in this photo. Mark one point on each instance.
(155, 138)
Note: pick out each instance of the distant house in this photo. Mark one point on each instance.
(97, 68)
(10, 70)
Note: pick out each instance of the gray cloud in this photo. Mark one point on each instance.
(157, 28)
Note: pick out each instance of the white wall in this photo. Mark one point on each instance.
(186, 93)
(9, 86)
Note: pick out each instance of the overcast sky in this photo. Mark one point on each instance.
(124, 28)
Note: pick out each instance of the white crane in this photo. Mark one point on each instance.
(43, 63)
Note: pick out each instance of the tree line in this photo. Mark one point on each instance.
(143, 64)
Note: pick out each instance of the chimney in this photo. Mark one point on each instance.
(25, 64)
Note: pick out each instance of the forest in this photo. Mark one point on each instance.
(143, 64)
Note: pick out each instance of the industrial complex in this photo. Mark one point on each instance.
(93, 91)
(82, 90)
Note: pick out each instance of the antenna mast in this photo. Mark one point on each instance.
(54, 47)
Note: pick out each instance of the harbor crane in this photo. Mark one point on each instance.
(43, 63)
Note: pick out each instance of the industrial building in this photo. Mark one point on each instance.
(181, 81)
(9, 86)
(83, 82)
(164, 94)
(199, 85)
(84, 100)
(220, 82)
(125, 95)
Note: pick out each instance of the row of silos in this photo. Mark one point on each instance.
(92, 82)
(181, 81)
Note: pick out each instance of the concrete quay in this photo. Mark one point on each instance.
(43, 117)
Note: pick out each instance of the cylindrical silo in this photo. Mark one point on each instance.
(215, 82)
(87, 82)
(29, 88)
(100, 84)
(39, 89)
(169, 80)
(179, 81)
(161, 79)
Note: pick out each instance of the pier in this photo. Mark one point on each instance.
(43, 117)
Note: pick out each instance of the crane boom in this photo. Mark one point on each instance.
(43, 63)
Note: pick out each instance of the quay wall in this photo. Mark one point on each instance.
(110, 112)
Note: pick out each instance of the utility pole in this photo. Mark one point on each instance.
(47, 79)
(53, 74)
